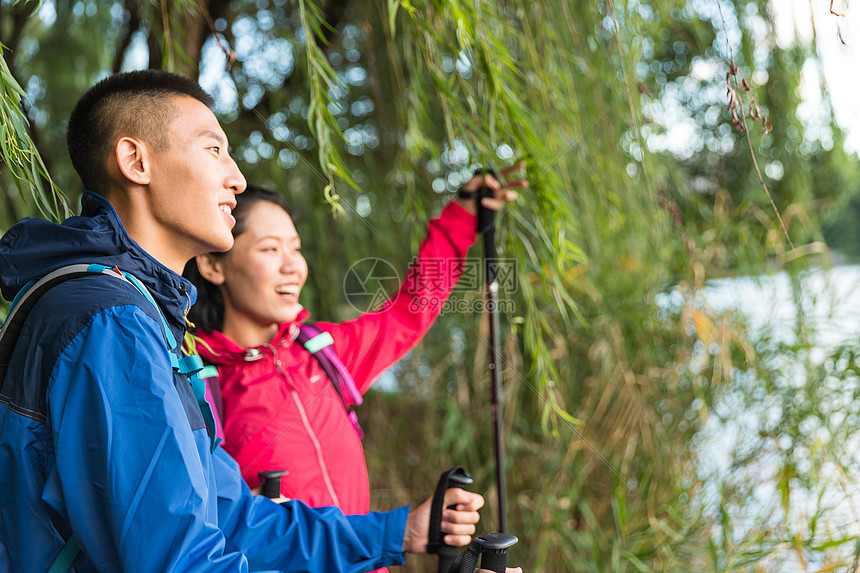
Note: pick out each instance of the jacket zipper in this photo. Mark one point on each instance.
(308, 428)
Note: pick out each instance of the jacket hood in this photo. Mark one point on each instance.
(35, 247)
(218, 349)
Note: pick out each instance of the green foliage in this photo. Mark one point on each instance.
(379, 110)
(323, 81)
(18, 153)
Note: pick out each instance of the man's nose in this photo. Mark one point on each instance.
(235, 180)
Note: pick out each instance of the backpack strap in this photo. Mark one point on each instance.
(321, 345)
(27, 297)
(210, 376)
(191, 366)
(67, 555)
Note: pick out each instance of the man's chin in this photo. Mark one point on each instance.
(220, 246)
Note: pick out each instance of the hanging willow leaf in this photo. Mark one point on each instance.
(19, 154)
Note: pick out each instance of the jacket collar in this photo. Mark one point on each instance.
(218, 349)
(34, 247)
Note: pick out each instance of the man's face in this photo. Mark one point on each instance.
(194, 180)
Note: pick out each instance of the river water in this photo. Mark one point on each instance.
(829, 305)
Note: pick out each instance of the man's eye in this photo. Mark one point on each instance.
(216, 149)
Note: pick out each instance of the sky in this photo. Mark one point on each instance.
(834, 73)
(839, 49)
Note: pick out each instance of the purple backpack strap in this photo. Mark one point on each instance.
(321, 345)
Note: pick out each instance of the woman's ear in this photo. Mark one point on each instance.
(132, 158)
(210, 268)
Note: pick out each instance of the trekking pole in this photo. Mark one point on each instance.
(491, 548)
(487, 229)
(270, 483)
(494, 551)
(455, 477)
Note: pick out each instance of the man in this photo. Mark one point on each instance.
(102, 443)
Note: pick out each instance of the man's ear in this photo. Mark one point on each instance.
(133, 161)
(210, 268)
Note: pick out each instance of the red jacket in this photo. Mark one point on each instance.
(281, 411)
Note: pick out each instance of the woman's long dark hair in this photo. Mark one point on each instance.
(207, 314)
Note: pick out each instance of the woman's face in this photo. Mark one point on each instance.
(263, 273)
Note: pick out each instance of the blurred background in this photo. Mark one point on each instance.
(681, 356)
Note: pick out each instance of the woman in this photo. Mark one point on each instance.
(280, 411)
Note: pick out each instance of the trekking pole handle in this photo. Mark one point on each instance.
(454, 477)
(270, 483)
(486, 217)
(491, 549)
(494, 552)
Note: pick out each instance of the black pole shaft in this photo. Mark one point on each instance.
(487, 228)
(496, 391)
(497, 423)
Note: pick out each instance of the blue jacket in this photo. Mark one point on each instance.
(101, 440)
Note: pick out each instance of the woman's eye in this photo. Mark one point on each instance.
(215, 149)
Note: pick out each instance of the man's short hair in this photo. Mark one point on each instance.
(136, 104)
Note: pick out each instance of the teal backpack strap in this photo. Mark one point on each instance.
(208, 372)
(171, 340)
(192, 366)
(319, 342)
(66, 557)
(198, 386)
(18, 296)
(188, 365)
(30, 294)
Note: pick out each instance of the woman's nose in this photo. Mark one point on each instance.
(290, 261)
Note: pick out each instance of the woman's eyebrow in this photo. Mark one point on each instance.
(293, 239)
